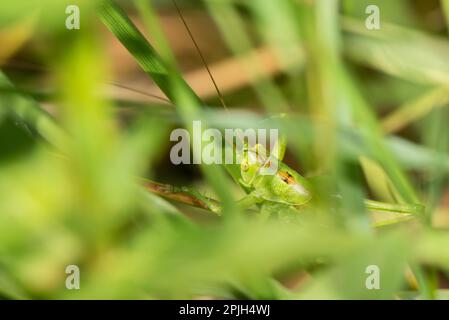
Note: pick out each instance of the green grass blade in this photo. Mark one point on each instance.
(169, 81)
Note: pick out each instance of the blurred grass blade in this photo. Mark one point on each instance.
(8, 288)
(150, 19)
(31, 113)
(416, 109)
(410, 55)
(170, 82)
(379, 182)
(233, 30)
(416, 157)
(445, 7)
(123, 28)
(372, 133)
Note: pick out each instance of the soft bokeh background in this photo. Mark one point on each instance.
(86, 114)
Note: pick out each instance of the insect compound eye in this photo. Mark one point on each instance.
(245, 165)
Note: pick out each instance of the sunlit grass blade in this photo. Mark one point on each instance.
(410, 55)
(170, 82)
(31, 113)
(416, 109)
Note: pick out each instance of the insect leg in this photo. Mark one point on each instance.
(249, 200)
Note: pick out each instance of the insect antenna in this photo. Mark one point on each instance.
(217, 89)
(151, 95)
(29, 66)
(220, 96)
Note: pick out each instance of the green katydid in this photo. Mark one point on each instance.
(286, 189)
(284, 186)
